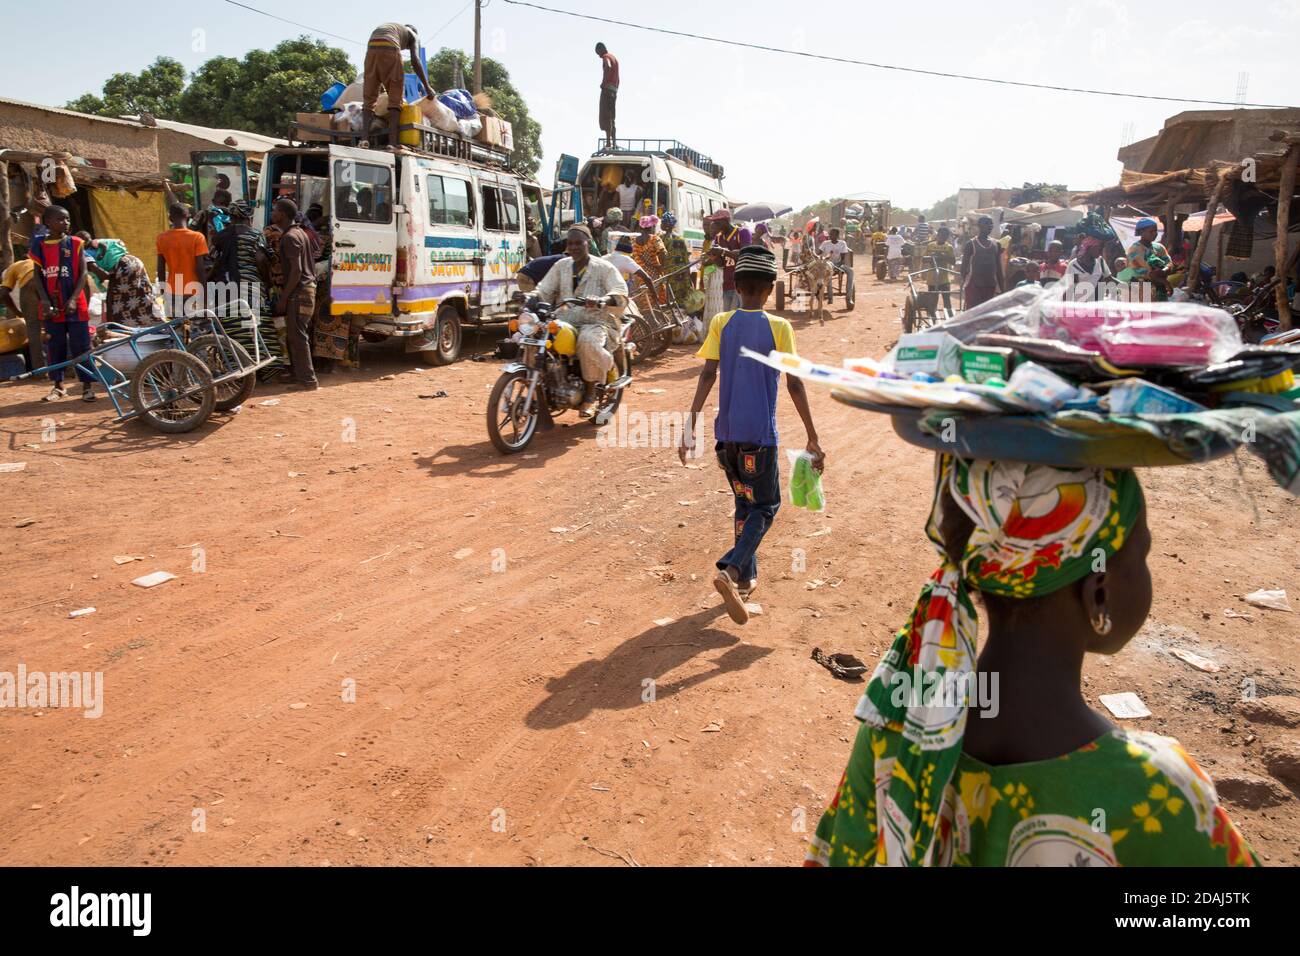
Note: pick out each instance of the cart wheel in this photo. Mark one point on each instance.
(172, 391)
(780, 295)
(881, 271)
(909, 317)
(221, 359)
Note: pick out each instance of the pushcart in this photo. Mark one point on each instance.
(155, 374)
(926, 307)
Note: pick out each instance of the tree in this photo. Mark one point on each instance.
(156, 89)
(261, 92)
(506, 102)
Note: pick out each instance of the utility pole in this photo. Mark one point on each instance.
(478, 46)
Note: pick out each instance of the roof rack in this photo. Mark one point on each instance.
(433, 142)
(670, 148)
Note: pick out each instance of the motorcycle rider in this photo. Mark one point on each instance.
(581, 275)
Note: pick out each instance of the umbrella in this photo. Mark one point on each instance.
(760, 211)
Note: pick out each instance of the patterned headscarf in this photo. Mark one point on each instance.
(1036, 530)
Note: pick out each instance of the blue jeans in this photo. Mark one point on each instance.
(755, 481)
(68, 340)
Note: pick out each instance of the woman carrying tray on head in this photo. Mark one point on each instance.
(1025, 774)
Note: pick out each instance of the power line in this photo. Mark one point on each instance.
(453, 19)
(295, 23)
(889, 66)
(312, 29)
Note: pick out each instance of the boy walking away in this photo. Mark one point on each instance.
(180, 265)
(60, 277)
(745, 429)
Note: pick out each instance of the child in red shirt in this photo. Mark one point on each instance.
(61, 286)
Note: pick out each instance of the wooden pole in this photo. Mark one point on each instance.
(478, 46)
(1194, 267)
(6, 241)
(1172, 238)
(1284, 193)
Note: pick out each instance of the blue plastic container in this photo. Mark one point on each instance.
(331, 96)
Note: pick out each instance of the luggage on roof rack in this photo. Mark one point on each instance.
(433, 142)
(669, 148)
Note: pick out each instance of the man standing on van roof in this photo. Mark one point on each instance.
(608, 92)
(384, 68)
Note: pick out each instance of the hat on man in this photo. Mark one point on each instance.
(756, 261)
(722, 215)
(580, 227)
(1146, 222)
(613, 214)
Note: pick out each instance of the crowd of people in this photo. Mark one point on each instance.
(924, 785)
(215, 260)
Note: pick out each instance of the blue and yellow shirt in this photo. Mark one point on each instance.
(747, 389)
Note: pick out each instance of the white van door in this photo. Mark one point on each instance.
(364, 262)
(504, 244)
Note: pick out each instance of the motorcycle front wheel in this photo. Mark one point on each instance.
(511, 426)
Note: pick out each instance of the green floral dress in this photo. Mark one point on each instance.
(1127, 799)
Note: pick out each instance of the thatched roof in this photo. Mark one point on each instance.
(1155, 190)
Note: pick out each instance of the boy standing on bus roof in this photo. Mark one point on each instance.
(608, 92)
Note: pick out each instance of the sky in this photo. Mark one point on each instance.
(786, 128)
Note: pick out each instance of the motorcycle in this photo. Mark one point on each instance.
(546, 381)
(1257, 318)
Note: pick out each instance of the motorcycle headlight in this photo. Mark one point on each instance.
(528, 325)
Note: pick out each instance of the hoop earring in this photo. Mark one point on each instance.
(1101, 623)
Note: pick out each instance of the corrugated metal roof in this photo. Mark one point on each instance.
(255, 142)
(6, 101)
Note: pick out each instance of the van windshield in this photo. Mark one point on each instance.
(302, 178)
(625, 185)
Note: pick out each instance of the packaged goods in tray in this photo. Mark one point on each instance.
(1136, 397)
(1143, 333)
(929, 353)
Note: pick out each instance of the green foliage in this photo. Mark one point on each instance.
(506, 101)
(1041, 192)
(261, 92)
(156, 89)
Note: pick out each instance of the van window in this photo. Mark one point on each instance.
(500, 209)
(491, 209)
(509, 210)
(694, 212)
(362, 192)
(449, 202)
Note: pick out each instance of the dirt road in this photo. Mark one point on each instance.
(386, 644)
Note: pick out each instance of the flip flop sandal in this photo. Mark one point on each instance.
(731, 597)
(843, 666)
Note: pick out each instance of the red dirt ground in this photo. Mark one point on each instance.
(498, 716)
